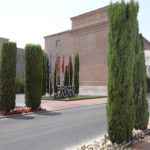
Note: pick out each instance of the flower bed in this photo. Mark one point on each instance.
(105, 144)
(20, 110)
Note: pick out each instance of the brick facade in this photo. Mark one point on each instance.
(89, 36)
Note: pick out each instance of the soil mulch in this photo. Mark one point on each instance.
(20, 110)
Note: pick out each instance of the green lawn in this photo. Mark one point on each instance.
(76, 98)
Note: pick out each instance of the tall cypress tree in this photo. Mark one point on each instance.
(70, 71)
(44, 80)
(8, 76)
(34, 75)
(121, 54)
(66, 77)
(141, 104)
(76, 74)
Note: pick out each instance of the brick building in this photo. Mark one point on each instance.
(88, 36)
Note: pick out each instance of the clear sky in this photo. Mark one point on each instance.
(28, 21)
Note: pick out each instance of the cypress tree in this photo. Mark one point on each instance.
(55, 80)
(34, 75)
(44, 80)
(8, 76)
(121, 56)
(70, 71)
(47, 75)
(76, 73)
(141, 103)
(50, 85)
(66, 77)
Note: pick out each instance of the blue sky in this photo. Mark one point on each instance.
(28, 21)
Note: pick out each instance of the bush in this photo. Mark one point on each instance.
(19, 86)
(7, 76)
(33, 75)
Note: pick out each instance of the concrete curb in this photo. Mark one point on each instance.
(55, 110)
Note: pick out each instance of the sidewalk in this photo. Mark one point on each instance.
(60, 105)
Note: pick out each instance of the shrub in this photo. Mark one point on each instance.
(121, 56)
(76, 74)
(33, 72)
(8, 76)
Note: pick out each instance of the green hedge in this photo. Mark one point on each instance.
(7, 76)
(33, 75)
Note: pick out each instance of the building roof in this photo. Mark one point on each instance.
(91, 12)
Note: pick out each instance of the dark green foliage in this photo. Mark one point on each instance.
(50, 85)
(45, 81)
(19, 86)
(121, 57)
(8, 77)
(76, 74)
(148, 84)
(70, 69)
(55, 80)
(33, 73)
(141, 103)
(47, 75)
(66, 77)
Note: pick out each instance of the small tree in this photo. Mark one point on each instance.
(66, 77)
(8, 76)
(50, 85)
(55, 80)
(76, 74)
(141, 103)
(44, 80)
(70, 70)
(34, 73)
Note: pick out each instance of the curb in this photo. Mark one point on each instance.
(55, 110)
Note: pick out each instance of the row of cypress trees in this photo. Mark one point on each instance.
(33, 76)
(71, 75)
(127, 106)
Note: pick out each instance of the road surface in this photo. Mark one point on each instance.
(53, 130)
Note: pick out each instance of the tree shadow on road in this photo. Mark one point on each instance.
(21, 117)
(48, 113)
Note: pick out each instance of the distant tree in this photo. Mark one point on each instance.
(44, 74)
(66, 77)
(141, 103)
(76, 74)
(50, 85)
(8, 77)
(34, 75)
(70, 70)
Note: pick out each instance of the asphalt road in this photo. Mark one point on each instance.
(53, 130)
